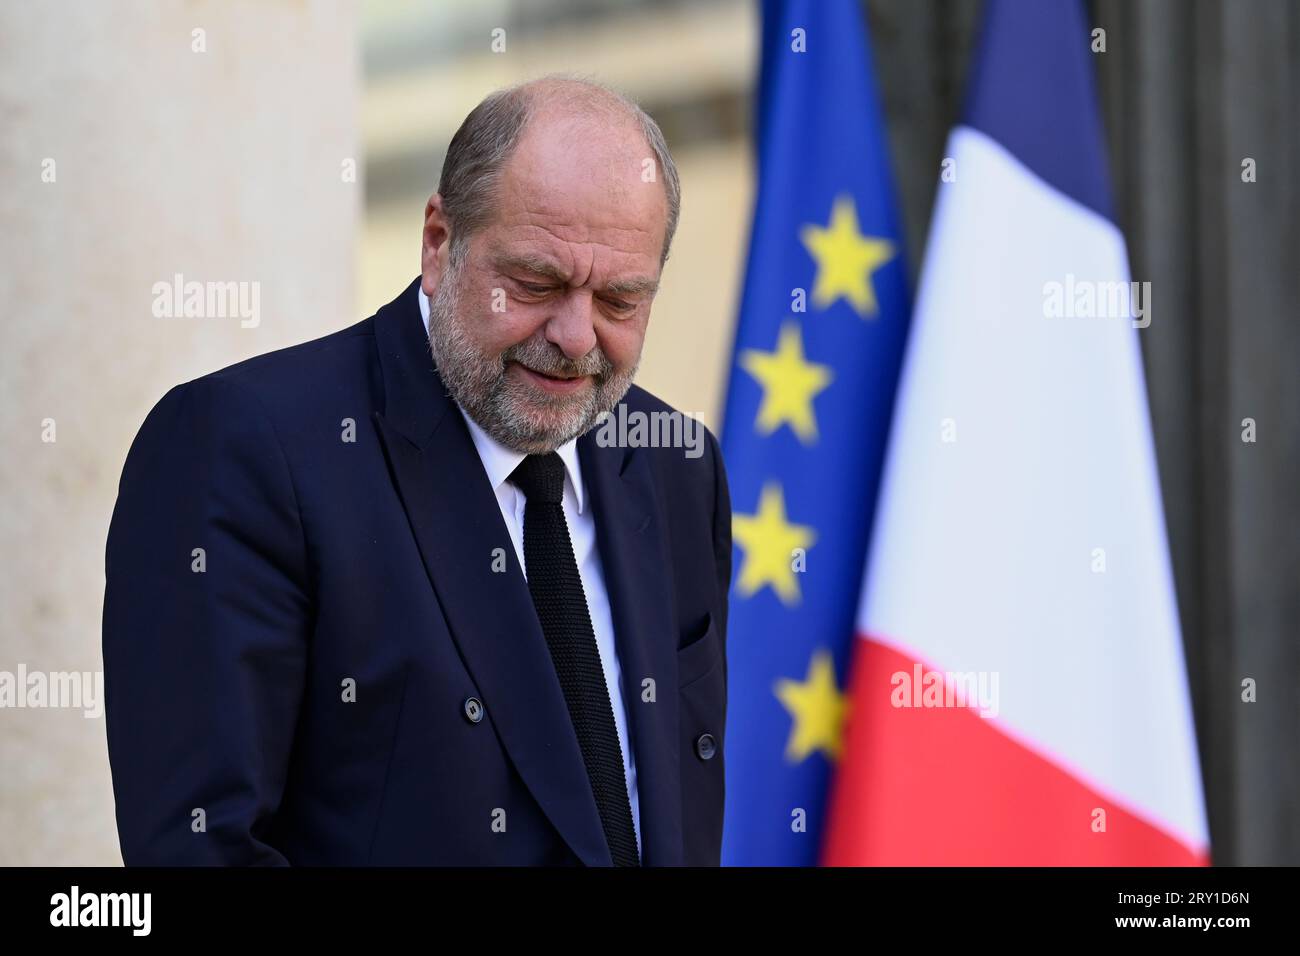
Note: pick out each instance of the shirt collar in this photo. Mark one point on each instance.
(499, 461)
(424, 310)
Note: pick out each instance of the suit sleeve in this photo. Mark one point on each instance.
(205, 631)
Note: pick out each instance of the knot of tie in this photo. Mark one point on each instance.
(540, 478)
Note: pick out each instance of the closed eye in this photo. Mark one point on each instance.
(618, 306)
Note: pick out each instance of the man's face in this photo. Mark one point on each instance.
(540, 330)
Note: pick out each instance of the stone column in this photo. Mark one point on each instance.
(212, 141)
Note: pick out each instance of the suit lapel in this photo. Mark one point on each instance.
(457, 523)
(629, 534)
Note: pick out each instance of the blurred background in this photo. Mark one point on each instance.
(293, 145)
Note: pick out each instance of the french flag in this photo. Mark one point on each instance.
(1018, 692)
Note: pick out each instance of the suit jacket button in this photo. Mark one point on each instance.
(705, 746)
(473, 709)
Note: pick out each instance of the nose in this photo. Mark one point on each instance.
(571, 327)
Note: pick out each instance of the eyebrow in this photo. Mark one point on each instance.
(541, 266)
(634, 285)
(531, 263)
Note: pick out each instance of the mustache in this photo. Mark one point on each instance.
(545, 357)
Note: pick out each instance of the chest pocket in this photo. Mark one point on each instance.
(699, 657)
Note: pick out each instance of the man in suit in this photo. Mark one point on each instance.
(385, 598)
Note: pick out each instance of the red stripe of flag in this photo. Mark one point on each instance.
(943, 786)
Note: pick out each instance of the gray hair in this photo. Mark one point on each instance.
(479, 150)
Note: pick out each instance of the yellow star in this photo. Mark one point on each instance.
(769, 542)
(817, 710)
(789, 382)
(845, 259)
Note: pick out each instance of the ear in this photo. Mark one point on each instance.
(435, 243)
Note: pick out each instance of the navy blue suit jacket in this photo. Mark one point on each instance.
(257, 563)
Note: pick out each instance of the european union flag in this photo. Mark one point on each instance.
(816, 360)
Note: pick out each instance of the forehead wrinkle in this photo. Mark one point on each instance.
(548, 214)
(577, 253)
(544, 204)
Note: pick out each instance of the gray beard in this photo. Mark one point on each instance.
(499, 404)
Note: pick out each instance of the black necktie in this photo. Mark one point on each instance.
(556, 588)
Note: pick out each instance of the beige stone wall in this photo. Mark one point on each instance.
(221, 165)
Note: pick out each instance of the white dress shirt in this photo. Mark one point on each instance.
(499, 462)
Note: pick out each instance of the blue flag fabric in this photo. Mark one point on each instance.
(816, 359)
